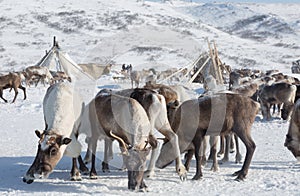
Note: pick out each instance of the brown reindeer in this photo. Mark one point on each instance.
(292, 141)
(12, 81)
(277, 93)
(212, 115)
(166, 91)
(123, 119)
(37, 73)
(60, 76)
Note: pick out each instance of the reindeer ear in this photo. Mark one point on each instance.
(66, 140)
(38, 133)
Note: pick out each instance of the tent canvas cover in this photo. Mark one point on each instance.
(58, 60)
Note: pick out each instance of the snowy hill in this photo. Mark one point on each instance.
(147, 34)
(250, 35)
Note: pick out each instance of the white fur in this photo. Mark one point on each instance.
(62, 110)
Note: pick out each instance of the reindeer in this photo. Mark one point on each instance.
(37, 73)
(135, 76)
(193, 120)
(12, 81)
(275, 94)
(123, 119)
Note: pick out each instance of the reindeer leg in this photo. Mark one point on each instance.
(37, 82)
(150, 171)
(197, 143)
(88, 155)
(24, 91)
(108, 155)
(75, 174)
(238, 156)
(250, 147)
(227, 147)
(213, 143)
(155, 151)
(16, 93)
(188, 157)
(231, 143)
(1, 95)
(93, 173)
(222, 138)
(82, 167)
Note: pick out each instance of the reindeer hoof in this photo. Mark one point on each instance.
(76, 178)
(224, 160)
(214, 169)
(197, 177)
(182, 173)
(237, 173)
(149, 174)
(84, 170)
(93, 176)
(105, 167)
(240, 178)
(28, 181)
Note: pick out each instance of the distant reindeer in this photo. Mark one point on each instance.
(39, 73)
(12, 81)
(135, 76)
(59, 76)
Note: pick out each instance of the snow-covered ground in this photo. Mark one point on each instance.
(145, 34)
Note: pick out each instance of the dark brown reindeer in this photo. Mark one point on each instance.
(277, 93)
(292, 141)
(169, 94)
(12, 81)
(213, 115)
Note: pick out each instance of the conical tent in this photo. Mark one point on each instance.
(58, 60)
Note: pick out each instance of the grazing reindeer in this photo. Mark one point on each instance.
(123, 119)
(155, 107)
(233, 112)
(62, 110)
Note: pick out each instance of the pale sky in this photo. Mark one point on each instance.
(253, 1)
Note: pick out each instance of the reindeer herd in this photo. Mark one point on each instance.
(131, 116)
(30, 75)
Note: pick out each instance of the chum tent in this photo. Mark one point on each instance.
(58, 60)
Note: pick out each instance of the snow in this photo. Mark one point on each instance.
(145, 34)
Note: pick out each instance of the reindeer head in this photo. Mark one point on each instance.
(293, 145)
(134, 158)
(50, 150)
(286, 111)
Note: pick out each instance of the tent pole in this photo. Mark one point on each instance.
(54, 41)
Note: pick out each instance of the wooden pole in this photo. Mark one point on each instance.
(54, 41)
(214, 68)
(198, 71)
(218, 64)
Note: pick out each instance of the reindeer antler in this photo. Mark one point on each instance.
(120, 140)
